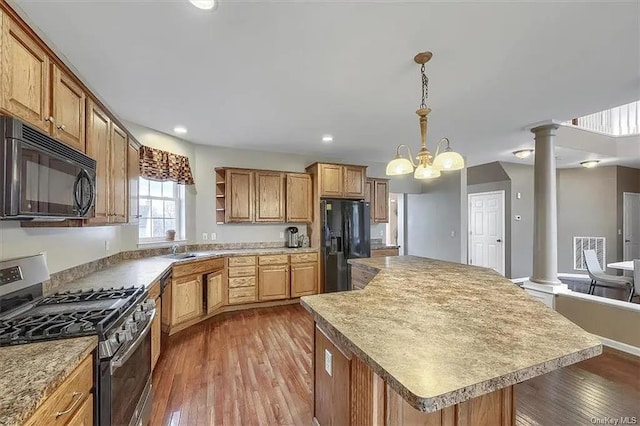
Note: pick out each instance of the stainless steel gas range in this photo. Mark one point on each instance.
(120, 318)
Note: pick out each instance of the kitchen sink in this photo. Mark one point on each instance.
(181, 255)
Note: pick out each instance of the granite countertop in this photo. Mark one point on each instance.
(30, 373)
(440, 333)
(144, 272)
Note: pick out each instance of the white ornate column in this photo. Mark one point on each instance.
(544, 282)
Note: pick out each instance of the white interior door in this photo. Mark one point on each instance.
(631, 226)
(486, 230)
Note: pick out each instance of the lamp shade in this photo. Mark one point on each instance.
(448, 160)
(399, 166)
(426, 172)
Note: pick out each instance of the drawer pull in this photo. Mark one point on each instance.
(77, 397)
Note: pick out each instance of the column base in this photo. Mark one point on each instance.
(545, 292)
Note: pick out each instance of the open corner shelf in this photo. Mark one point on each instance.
(220, 196)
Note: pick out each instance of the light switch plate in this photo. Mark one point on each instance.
(282, 235)
(328, 362)
(205, 236)
(213, 236)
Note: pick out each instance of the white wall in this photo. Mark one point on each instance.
(434, 219)
(65, 247)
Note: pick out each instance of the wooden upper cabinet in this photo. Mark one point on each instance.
(24, 69)
(369, 197)
(331, 180)
(119, 183)
(354, 182)
(133, 174)
(299, 198)
(239, 196)
(340, 181)
(270, 196)
(98, 142)
(68, 110)
(381, 205)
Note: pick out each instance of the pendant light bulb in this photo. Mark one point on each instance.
(448, 160)
(205, 4)
(426, 172)
(399, 166)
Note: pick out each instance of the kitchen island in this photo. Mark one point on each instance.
(432, 342)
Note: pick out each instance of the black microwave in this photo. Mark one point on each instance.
(43, 178)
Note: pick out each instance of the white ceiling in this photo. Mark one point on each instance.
(277, 75)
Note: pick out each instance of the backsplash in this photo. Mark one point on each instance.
(58, 279)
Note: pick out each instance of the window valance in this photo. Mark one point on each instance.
(162, 165)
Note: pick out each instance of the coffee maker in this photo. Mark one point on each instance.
(292, 237)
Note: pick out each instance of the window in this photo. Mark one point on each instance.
(161, 209)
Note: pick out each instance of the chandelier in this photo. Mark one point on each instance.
(427, 166)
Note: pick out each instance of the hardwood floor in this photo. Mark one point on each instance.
(247, 368)
(254, 368)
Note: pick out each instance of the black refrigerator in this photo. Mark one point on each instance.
(345, 235)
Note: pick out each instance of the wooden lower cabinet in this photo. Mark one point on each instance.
(84, 415)
(304, 279)
(156, 334)
(242, 295)
(273, 282)
(71, 403)
(186, 298)
(215, 291)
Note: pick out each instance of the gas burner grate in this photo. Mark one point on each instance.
(89, 295)
(51, 326)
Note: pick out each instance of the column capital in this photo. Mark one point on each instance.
(547, 128)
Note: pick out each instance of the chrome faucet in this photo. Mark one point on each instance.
(174, 249)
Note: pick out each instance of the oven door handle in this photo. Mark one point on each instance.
(119, 362)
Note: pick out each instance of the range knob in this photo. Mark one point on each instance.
(131, 328)
(121, 337)
(138, 316)
(148, 305)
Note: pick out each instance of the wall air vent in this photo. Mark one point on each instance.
(580, 244)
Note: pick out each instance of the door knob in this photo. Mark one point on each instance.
(499, 240)
(627, 241)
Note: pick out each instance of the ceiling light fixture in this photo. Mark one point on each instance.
(589, 164)
(427, 166)
(181, 130)
(327, 138)
(523, 153)
(204, 4)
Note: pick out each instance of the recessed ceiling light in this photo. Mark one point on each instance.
(589, 164)
(204, 4)
(327, 138)
(523, 153)
(181, 130)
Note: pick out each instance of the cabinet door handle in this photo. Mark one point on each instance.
(61, 127)
(50, 119)
(76, 397)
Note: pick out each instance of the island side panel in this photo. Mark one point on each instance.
(332, 382)
(348, 392)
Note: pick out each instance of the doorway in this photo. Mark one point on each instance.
(487, 230)
(631, 225)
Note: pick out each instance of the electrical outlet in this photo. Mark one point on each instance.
(107, 246)
(205, 236)
(328, 362)
(381, 233)
(453, 234)
(214, 236)
(282, 235)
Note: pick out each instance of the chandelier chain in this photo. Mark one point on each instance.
(425, 87)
